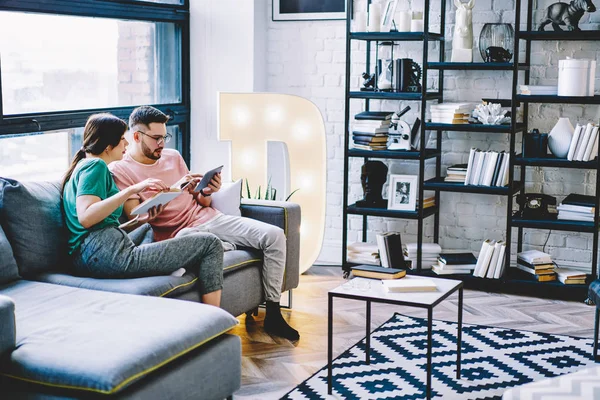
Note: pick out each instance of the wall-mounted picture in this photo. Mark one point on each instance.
(302, 10)
(402, 192)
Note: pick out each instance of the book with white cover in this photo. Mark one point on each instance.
(574, 216)
(409, 284)
(383, 257)
(470, 164)
(535, 257)
(506, 170)
(574, 141)
(485, 264)
(487, 156)
(499, 269)
(485, 247)
(426, 248)
(503, 167)
(489, 169)
(363, 247)
(477, 159)
(583, 142)
(494, 260)
(574, 208)
(590, 146)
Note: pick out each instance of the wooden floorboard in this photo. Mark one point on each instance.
(272, 366)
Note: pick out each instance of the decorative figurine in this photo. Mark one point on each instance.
(566, 14)
(497, 54)
(462, 41)
(369, 82)
(373, 176)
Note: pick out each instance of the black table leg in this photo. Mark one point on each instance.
(459, 333)
(368, 335)
(329, 343)
(597, 320)
(429, 349)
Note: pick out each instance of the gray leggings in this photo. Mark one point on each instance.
(111, 253)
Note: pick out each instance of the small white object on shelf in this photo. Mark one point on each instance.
(576, 77)
(490, 114)
(538, 90)
(559, 139)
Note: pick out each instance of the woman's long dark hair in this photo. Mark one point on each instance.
(101, 130)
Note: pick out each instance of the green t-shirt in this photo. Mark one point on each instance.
(90, 177)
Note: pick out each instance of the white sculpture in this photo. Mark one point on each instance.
(462, 41)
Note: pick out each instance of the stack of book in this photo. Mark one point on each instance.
(570, 276)
(370, 130)
(490, 262)
(390, 250)
(456, 173)
(429, 255)
(538, 264)
(487, 168)
(538, 90)
(454, 263)
(451, 113)
(577, 207)
(428, 202)
(584, 143)
(363, 253)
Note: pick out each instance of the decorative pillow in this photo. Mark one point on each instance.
(8, 265)
(228, 198)
(32, 218)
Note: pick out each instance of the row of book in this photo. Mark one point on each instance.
(584, 143)
(490, 262)
(487, 168)
(454, 263)
(429, 254)
(451, 113)
(370, 130)
(456, 173)
(577, 207)
(390, 250)
(538, 264)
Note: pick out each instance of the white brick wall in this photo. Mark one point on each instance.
(308, 59)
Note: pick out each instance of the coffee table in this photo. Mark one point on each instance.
(372, 291)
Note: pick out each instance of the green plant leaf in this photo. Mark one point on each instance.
(258, 195)
(274, 193)
(268, 189)
(287, 198)
(248, 189)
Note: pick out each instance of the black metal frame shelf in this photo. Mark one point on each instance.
(554, 224)
(393, 95)
(431, 126)
(479, 66)
(393, 154)
(557, 99)
(552, 35)
(439, 184)
(395, 36)
(552, 161)
(384, 212)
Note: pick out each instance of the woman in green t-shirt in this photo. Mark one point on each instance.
(93, 204)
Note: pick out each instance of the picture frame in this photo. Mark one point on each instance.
(387, 16)
(308, 10)
(402, 192)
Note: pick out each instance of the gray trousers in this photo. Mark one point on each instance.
(248, 232)
(111, 253)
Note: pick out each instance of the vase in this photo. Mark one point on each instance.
(560, 137)
(496, 42)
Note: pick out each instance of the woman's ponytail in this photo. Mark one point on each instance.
(80, 155)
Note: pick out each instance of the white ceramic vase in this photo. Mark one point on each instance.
(560, 137)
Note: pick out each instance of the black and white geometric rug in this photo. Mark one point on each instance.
(493, 360)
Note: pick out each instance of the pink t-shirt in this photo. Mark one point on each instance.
(181, 212)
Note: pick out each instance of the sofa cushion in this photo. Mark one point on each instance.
(32, 218)
(8, 265)
(102, 342)
(238, 259)
(158, 286)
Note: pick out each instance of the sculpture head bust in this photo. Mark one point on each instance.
(373, 176)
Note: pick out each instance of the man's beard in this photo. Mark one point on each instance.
(153, 155)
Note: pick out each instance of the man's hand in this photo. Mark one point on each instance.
(191, 180)
(213, 186)
(152, 214)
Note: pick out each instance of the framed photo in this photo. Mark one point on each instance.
(402, 192)
(302, 10)
(387, 18)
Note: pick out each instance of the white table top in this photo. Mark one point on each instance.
(373, 289)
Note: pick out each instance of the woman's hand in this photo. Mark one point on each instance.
(152, 214)
(149, 183)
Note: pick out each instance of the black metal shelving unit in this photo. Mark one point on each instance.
(513, 280)
(572, 292)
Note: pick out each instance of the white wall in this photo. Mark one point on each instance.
(308, 59)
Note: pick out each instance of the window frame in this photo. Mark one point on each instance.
(114, 9)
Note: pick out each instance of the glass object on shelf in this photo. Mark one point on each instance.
(385, 66)
(496, 42)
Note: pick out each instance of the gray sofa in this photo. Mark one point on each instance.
(66, 337)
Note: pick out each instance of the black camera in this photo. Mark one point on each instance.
(535, 144)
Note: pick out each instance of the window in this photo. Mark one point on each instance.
(80, 59)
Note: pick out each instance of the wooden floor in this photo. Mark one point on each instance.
(272, 366)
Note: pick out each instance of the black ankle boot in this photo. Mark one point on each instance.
(276, 325)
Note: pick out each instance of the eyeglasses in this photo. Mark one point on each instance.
(160, 139)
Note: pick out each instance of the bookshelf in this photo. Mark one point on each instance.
(512, 281)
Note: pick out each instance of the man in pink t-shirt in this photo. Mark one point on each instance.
(146, 157)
